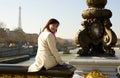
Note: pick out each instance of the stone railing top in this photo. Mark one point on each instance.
(95, 61)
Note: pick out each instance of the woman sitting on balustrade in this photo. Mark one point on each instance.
(47, 54)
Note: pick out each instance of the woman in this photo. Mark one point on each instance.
(47, 54)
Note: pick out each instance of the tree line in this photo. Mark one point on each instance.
(16, 37)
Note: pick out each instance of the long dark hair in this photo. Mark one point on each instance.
(51, 21)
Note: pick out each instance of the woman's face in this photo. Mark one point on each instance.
(53, 27)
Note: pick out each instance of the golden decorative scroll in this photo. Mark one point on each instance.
(46, 77)
(22, 76)
(95, 74)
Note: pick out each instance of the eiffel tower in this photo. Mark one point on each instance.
(19, 19)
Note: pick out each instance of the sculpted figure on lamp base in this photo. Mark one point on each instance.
(97, 39)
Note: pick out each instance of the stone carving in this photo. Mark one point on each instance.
(97, 38)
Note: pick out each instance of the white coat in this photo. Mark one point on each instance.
(47, 53)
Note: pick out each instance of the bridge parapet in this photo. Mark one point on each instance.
(20, 71)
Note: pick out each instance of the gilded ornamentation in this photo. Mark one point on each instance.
(95, 74)
(22, 76)
(46, 77)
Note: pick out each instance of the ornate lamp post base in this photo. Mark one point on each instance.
(96, 39)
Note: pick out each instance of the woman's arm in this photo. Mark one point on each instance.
(52, 46)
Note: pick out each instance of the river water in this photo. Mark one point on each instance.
(65, 57)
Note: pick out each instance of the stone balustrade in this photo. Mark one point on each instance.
(20, 71)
